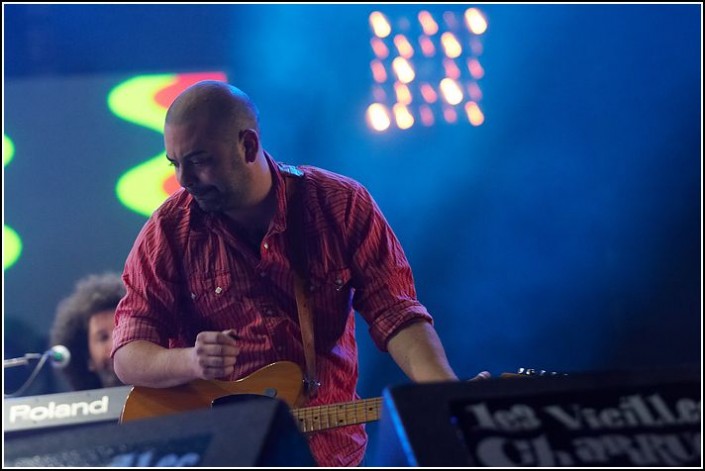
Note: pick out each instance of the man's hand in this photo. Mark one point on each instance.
(215, 353)
(143, 363)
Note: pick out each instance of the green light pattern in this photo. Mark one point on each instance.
(8, 150)
(140, 188)
(133, 100)
(11, 242)
(11, 247)
(137, 189)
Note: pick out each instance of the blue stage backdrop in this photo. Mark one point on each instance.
(560, 230)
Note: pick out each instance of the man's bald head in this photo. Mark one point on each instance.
(216, 101)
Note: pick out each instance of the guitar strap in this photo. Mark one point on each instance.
(298, 256)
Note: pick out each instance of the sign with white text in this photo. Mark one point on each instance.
(614, 426)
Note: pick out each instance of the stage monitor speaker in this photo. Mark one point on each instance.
(257, 432)
(635, 418)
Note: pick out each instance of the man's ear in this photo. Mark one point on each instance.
(250, 142)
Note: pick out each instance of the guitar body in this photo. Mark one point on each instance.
(282, 380)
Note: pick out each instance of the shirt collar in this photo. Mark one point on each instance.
(278, 223)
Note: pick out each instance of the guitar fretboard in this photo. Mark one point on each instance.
(312, 419)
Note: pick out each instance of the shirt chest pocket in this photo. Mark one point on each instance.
(331, 297)
(212, 294)
(332, 288)
(336, 279)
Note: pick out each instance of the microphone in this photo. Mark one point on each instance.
(59, 355)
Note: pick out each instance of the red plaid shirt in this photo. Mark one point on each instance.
(189, 271)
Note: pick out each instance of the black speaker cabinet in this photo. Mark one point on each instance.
(617, 419)
(257, 432)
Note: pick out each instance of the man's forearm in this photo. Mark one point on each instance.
(143, 363)
(419, 353)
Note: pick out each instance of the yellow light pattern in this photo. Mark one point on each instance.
(403, 93)
(403, 70)
(425, 68)
(474, 113)
(451, 46)
(475, 21)
(403, 46)
(403, 118)
(378, 117)
(380, 24)
(451, 91)
(429, 25)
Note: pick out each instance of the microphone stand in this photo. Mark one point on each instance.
(23, 361)
(20, 361)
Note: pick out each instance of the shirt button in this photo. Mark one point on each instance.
(193, 295)
(218, 290)
(269, 312)
(279, 348)
(266, 246)
(263, 274)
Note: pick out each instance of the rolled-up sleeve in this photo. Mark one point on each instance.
(385, 295)
(150, 278)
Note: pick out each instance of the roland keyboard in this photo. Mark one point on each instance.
(64, 409)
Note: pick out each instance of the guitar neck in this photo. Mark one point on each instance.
(312, 419)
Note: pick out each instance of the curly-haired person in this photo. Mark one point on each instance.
(84, 324)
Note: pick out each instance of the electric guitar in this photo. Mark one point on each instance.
(282, 380)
